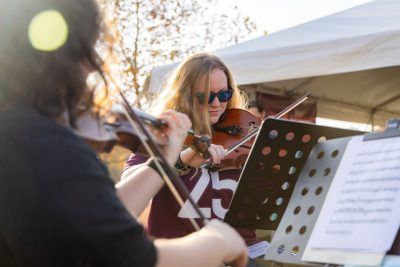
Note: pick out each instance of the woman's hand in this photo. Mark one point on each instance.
(214, 244)
(234, 247)
(191, 158)
(178, 127)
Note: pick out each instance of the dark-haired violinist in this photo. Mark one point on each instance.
(58, 206)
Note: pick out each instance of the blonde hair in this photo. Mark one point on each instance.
(180, 91)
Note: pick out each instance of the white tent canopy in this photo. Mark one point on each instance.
(350, 61)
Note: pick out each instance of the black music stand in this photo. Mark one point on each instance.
(270, 173)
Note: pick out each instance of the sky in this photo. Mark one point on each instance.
(275, 15)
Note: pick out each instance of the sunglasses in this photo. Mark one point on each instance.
(223, 96)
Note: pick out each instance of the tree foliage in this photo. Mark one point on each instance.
(144, 33)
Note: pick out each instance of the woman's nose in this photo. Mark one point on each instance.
(215, 102)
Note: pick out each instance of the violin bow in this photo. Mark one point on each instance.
(168, 174)
(277, 116)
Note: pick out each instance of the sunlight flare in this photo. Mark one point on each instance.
(48, 31)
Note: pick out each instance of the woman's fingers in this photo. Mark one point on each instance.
(178, 126)
(217, 153)
(242, 259)
(235, 248)
(178, 123)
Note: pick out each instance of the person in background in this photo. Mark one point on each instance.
(202, 87)
(58, 205)
(255, 108)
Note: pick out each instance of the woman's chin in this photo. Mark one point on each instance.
(214, 119)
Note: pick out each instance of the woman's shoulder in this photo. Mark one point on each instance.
(24, 123)
(48, 145)
(135, 159)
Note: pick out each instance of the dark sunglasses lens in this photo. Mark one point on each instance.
(200, 97)
(223, 96)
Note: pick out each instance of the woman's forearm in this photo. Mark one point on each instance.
(138, 187)
(192, 250)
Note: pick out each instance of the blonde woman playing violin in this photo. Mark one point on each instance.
(203, 88)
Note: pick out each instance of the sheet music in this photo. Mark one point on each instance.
(258, 249)
(362, 209)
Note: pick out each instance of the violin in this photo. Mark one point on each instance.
(98, 135)
(234, 125)
(236, 132)
(103, 134)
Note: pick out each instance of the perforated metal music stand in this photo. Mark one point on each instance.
(301, 214)
(295, 228)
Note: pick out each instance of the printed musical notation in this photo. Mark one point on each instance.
(362, 209)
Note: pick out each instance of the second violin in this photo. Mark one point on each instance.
(235, 125)
(236, 132)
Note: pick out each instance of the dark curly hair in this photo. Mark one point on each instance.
(49, 82)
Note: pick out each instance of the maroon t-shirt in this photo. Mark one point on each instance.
(212, 191)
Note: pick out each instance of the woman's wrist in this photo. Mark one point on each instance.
(180, 165)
